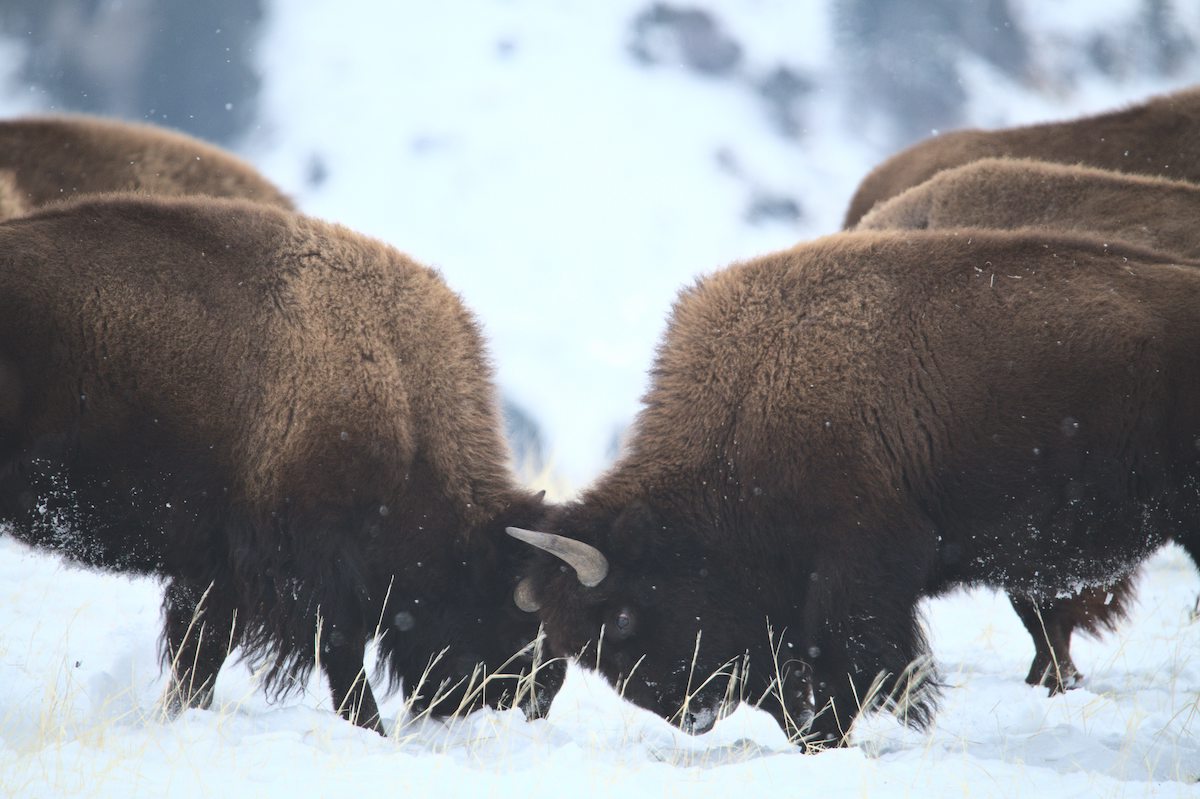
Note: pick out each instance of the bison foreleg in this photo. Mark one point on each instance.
(867, 650)
(198, 636)
(342, 662)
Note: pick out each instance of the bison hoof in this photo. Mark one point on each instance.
(179, 699)
(1056, 681)
(1069, 682)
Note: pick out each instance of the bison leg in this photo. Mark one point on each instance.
(342, 662)
(1051, 622)
(198, 636)
(867, 650)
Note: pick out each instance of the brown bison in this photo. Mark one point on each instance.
(1019, 193)
(46, 159)
(836, 431)
(293, 425)
(1156, 138)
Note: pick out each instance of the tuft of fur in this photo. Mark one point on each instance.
(1156, 137)
(48, 159)
(11, 202)
(1102, 609)
(833, 432)
(292, 424)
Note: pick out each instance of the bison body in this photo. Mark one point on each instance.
(836, 431)
(1021, 193)
(1010, 194)
(48, 159)
(292, 424)
(1155, 138)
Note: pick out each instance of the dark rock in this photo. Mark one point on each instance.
(783, 89)
(666, 34)
(773, 208)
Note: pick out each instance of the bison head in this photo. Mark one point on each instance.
(675, 625)
(452, 633)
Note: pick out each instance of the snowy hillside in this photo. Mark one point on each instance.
(569, 169)
(569, 165)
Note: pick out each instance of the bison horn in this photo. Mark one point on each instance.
(524, 597)
(589, 563)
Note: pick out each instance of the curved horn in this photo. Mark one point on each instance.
(524, 597)
(589, 563)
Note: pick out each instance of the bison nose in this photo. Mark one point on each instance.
(698, 722)
(535, 703)
(544, 687)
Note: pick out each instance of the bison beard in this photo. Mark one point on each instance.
(294, 426)
(836, 431)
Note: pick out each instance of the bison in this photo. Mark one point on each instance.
(46, 159)
(1157, 137)
(833, 432)
(1020, 193)
(292, 425)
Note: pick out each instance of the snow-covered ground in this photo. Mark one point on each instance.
(567, 192)
(79, 683)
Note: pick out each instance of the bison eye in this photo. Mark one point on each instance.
(624, 624)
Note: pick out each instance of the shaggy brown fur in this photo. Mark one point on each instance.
(47, 159)
(1157, 137)
(836, 431)
(292, 424)
(1019, 193)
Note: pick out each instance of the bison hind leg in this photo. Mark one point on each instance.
(1050, 623)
